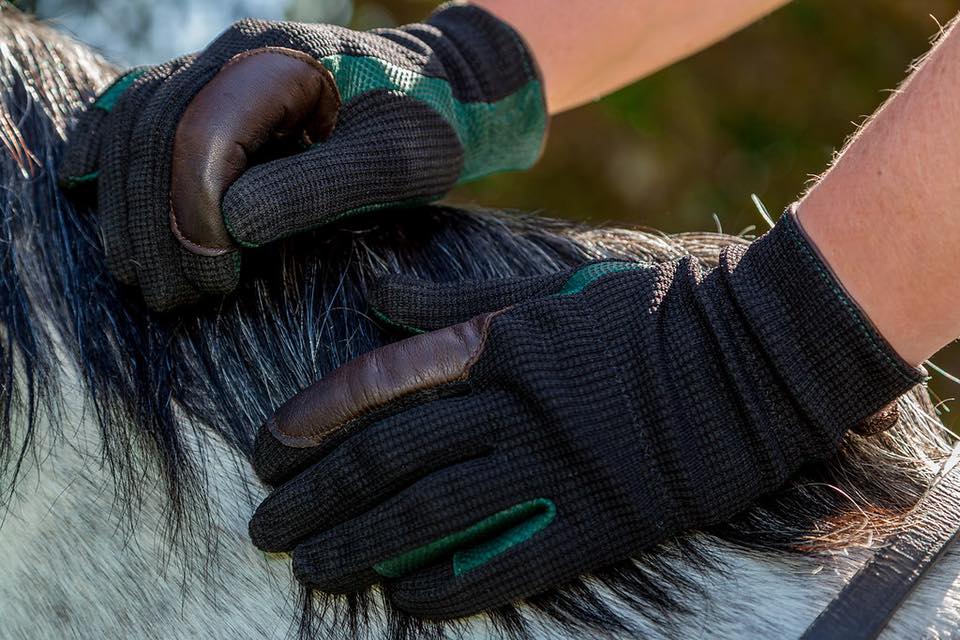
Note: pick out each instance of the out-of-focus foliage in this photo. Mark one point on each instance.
(760, 113)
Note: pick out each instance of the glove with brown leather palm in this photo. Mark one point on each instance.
(568, 422)
(277, 128)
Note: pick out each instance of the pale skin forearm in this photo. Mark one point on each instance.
(589, 48)
(886, 216)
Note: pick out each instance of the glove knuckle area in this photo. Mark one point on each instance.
(251, 33)
(244, 34)
(365, 470)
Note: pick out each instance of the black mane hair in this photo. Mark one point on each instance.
(154, 384)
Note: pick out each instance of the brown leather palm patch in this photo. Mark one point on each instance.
(259, 96)
(379, 378)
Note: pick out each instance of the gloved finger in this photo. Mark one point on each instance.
(156, 252)
(387, 150)
(416, 305)
(423, 524)
(514, 553)
(213, 275)
(260, 96)
(81, 162)
(114, 167)
(368, 467)
(377, 383)
(165, 286)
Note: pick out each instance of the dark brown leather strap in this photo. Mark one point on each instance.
(259, 96)
(871, 598)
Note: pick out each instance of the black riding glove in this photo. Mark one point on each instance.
(241, 144)
(598, 412)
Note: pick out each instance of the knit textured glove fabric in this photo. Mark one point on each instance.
(608, 408)
(423, 107)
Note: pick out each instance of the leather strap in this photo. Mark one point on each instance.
(871, 598)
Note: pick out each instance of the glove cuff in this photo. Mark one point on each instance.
(500, 110)
(835, 363)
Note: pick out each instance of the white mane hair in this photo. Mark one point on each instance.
(125, 485)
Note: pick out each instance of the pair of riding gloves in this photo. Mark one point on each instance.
(277, 128)
(540, 428)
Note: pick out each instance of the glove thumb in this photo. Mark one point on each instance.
(387, 151)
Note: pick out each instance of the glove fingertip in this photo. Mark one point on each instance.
(167, 296)
(245, 206)
(273, 462)
(384, 289)
(260, 531)
(315, 574)
(267, 458)
(212, 275)
(388, 300)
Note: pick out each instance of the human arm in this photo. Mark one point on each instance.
(885, 215)
(589, 48)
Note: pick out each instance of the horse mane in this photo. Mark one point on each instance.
(157, 385)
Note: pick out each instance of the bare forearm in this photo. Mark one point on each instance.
(886, 216)
(588, 48)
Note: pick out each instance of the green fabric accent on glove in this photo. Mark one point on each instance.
(108, 99)
(477, 544)
(390, 322)
(496, 136)
(589, 274)
(75, 181)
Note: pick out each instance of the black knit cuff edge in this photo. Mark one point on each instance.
(529, 61)
(791, 224)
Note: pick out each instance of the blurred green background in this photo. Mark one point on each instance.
(759, 113)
